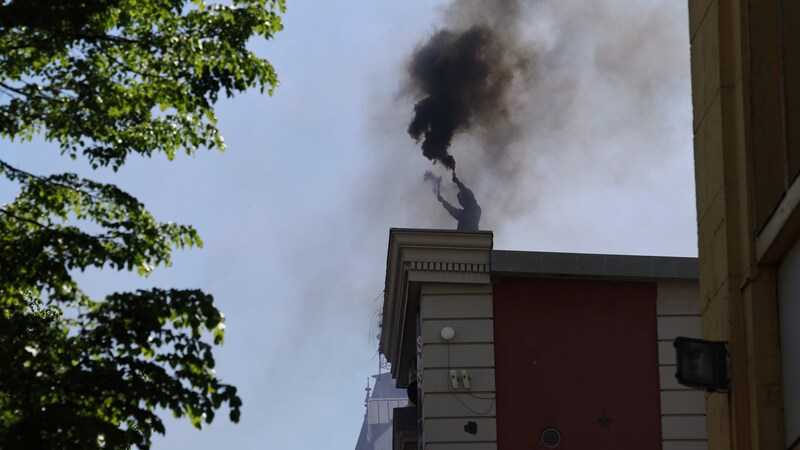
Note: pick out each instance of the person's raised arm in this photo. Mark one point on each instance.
(455, 212)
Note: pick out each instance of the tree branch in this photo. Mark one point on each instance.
(13, 89)
(24, 219)
(103, 37)
(131, 69)
(22, 173)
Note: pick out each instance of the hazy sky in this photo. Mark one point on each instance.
(295, 215)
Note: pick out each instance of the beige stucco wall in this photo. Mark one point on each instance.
(744, 93)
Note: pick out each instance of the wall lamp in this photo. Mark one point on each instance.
(702, 364)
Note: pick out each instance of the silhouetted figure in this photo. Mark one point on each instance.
(469, 217)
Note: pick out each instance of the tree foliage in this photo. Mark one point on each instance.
(105, 79)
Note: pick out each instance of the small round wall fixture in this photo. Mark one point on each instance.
(448, 333)
(551, 437)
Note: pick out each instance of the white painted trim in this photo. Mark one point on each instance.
(788, 208)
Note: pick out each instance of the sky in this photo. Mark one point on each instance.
(295, 215)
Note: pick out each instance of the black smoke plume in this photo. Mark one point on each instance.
(460, 77)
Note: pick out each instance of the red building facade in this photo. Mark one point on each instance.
(531, 350)
(584, 353)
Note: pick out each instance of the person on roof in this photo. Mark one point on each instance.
(468, 217)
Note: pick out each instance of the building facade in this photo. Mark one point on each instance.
(529, 350)
(745, 59)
